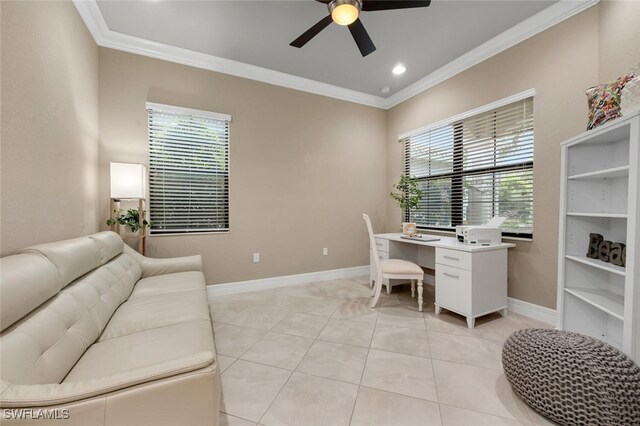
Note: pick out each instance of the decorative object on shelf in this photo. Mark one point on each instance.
(572, 379)
(128, 182)
(594, 243)
(408, 197)
(409, 229)
(606, 251)
(604, 101)
(630, 97)
(615, 257)
(603, 250)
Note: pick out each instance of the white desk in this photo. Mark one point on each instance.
(469, 280)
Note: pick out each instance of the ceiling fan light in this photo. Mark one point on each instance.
(344, 12)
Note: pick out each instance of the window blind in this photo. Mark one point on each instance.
(474, 168)
(188, 170)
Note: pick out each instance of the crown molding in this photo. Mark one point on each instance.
(543, 20)
(104, 37)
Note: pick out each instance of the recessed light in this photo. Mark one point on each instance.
(399, 69)
(385, 89)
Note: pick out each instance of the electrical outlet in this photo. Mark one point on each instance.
(325, 251)
(256, 257)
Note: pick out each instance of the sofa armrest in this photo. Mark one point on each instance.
(152, 267)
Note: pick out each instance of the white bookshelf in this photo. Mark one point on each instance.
(599, 194)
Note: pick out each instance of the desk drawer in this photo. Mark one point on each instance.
(453, 289)
(382, 244)
(381, 255)
(458, 259)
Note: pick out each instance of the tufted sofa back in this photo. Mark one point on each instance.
(55, 300)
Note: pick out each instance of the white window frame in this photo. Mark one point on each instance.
(150, 106)
(460, 117)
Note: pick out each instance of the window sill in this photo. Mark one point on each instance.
(453, 234)
(184, 234)
(526, 240)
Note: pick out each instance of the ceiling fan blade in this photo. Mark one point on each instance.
(311, 32)
(324, 1)
(373, 5)
(362, 38)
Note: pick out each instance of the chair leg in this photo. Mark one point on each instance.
(420, 295)
(378, 289)
(373, 288)
(388, 284)
(413, 289)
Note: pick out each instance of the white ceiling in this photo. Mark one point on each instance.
(259, 32)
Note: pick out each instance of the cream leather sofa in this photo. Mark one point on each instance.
(94, 333)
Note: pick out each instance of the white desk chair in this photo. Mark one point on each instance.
(393, 269)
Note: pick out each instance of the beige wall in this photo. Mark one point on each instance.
(303, 167)
(49, 135)
(619, 36)
(560, 64)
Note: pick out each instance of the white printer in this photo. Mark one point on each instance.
(481, 235)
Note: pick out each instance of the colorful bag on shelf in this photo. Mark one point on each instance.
(604, 101)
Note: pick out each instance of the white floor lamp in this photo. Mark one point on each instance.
(128, 182)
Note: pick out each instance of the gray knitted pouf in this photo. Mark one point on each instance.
(573, 379)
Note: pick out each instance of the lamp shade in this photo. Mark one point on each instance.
(128, 180)
(344, 14)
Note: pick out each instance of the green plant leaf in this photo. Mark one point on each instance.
(409, 195)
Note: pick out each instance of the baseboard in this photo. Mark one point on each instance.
(521, 307)
(530, 310)
(284, 281)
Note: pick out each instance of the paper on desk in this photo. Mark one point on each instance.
(496, 221)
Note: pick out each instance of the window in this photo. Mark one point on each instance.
(188, 170)
(475, 167)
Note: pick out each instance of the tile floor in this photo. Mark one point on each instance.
(316, 354)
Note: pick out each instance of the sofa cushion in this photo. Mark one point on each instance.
(173, 345)
(77, 256)
(32, 277)
(28, 280)
(144, 313)
(43, 346)
(109, 245)
(169, 283)
(124, 362)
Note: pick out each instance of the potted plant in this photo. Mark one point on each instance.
(130, 220)
(407, 198)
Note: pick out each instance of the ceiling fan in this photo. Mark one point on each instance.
(346, 13)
